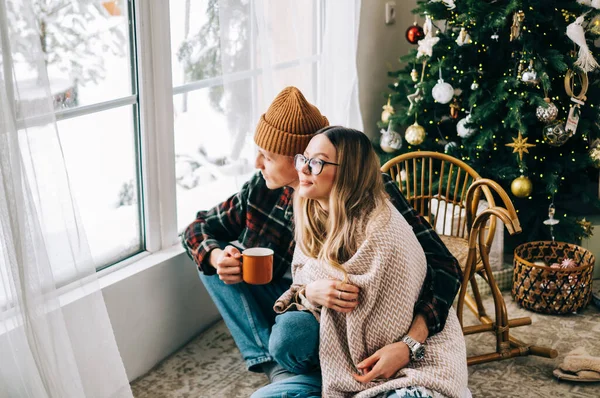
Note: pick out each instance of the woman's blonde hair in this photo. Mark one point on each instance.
(358, 192)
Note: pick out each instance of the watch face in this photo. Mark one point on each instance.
(420, 353)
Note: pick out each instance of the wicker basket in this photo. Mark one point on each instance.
(549, 290)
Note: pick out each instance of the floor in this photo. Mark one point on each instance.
(211, 366)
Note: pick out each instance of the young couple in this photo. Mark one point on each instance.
(360, 280)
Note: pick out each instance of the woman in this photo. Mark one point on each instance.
(346, 229)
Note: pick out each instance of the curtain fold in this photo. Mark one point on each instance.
(47, 349)
(338, 85)
(308, 44)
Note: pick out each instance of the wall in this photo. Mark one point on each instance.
(379, 48)
(156, 309)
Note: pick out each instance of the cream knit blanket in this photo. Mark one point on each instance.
(389, 267)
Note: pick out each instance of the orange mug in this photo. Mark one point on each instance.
(257, 265)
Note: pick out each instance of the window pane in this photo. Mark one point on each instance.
(303, 77)
(194, 40)
(100, 156)
(100, 153)
(295, 24)
(211, 163)
(86, 44)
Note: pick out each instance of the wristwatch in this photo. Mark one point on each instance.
(417, 350)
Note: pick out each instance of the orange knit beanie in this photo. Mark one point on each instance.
(289, 124)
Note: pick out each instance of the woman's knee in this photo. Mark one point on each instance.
(294, 341)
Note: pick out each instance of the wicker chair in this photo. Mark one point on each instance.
(445, 191)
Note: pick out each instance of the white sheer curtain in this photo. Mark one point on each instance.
(308, 44)
(338, 86)
(45, 350)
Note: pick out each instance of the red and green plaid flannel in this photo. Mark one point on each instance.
(259, 216)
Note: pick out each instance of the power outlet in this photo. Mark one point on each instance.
(390, 12)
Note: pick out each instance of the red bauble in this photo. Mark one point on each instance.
(414, 34)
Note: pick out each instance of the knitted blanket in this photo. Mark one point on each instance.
(389, 267)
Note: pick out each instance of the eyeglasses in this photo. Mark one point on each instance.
(315, 166)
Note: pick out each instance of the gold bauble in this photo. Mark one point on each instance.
(385, 116)
(595, 152)
(388, 110)
(414, 75)
(415, 134)
(521, 187)
(594, 26)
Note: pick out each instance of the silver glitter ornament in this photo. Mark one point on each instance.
(546, 113)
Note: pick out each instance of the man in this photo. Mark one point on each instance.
(261, 214)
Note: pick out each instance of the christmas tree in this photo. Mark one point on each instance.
(487, 73)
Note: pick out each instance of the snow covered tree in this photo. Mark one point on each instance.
(201, 53)
(75, 36)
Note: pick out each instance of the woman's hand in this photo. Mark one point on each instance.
(385, 363)
(338, 296)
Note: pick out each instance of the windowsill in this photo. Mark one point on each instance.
(136, 264)
(83, 287)
(116, 273)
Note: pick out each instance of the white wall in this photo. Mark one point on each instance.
(379, 48)
(156, 311)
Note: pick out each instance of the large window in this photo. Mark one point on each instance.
(141, 165)
(218, 84)
(88, 48)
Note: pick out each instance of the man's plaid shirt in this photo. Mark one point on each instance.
(258, 216)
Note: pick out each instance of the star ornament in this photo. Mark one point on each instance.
(413, 99)
(426, 46)
(520, 145)
(586, 226)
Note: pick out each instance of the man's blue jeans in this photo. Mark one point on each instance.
(291, 339)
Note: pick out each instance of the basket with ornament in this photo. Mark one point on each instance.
(553, 277)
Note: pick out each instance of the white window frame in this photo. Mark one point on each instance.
(157, 143)
(105, 105)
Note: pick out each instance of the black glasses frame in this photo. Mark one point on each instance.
(311, 168)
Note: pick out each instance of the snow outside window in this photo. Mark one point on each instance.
(88, 47)
(229, 60)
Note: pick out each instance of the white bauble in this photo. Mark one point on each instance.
(442, 92)
(529, 76)
(450, 147)
(461, 130)
(391, 140)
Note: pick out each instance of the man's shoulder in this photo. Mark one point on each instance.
(386, 178)
(390, 185)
